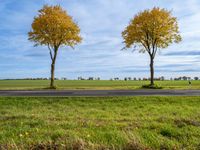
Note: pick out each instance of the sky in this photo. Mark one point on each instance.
(99, 54)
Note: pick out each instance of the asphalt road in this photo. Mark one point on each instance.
(101, 93)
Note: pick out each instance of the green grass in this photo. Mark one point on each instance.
(99, 123)
(74, 84)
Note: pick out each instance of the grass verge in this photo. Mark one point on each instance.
(100, 123)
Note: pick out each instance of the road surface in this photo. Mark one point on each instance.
(100, 93)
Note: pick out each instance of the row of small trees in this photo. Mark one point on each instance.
(157, 79)
(116, 78)
(148, 32)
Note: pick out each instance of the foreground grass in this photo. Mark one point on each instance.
(75, 84)
(100, 123)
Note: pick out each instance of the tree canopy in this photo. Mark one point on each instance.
(54, 27)
(151, 30)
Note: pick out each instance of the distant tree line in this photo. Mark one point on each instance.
(162, 78)
(90, 78)
(186, 78)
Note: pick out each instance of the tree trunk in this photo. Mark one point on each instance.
(152, 71)
(52, 85)
(52, 75)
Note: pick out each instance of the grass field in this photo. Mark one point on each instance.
(127, 123)
(75, 84)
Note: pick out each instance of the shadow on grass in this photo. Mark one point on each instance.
(149, 86)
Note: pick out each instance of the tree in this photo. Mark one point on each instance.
(151, 30)
(54, 28)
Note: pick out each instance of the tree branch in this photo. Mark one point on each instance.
(147, 43)
(155, 48)
(50, 51)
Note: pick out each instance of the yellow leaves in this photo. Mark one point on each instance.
(54, 27)
(152, 29)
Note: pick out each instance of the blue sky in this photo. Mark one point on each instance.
(101, 23)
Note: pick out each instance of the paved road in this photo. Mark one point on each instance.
(101, 93)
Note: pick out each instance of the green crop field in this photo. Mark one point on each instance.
(100, 123)
(75, 84)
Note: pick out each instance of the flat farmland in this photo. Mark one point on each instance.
(86, 84)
